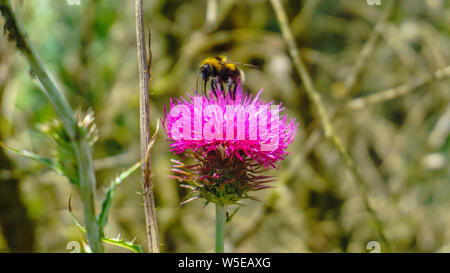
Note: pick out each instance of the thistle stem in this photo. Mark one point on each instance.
(220, 228)
(15, 32)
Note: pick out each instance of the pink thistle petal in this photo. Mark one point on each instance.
(233, 147)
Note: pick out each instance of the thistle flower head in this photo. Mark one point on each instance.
(230, 139)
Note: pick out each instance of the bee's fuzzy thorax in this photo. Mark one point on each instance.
(219, 63)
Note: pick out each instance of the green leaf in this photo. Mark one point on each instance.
(50, 163)
(74, 219)
(112, 241)
(229, 217)
(103, 217)
(122, 243)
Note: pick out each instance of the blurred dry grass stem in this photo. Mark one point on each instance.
(144, 76)
(392, 93)
(369, 46)
(315, 97)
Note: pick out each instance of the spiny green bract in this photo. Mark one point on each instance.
(218, 178)
(63, 154)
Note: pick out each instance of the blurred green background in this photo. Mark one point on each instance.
(401, 146)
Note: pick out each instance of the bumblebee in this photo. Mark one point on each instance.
(221, 71)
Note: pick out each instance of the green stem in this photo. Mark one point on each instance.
(220, 228)
(15, 32)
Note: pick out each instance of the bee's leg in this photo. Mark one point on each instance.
(214, 86)
(234, 88)
(204, 88)
(229, 85)
(221, 88)
(236, 83)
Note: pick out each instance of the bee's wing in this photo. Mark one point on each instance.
(242, 76)
(241, 64)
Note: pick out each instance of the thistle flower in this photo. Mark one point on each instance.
(231, 140)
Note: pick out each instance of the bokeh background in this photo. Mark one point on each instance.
(401, 145)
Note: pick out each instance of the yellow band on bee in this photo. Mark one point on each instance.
(218, 63)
